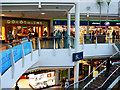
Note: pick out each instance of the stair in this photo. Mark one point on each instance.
(98, 81)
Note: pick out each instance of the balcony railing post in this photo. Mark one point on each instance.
(39, 47)
(69, 44)
(23, 54)
(12, 61)
(96, 42)
(31, 50)
(54, 48)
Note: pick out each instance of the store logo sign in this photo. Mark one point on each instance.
(95, 23)
(107, 23)
(24, 22)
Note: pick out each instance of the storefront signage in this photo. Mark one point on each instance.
(24, 22)
(95, 23)
(117, 23)
(77, 56)
(107, 23)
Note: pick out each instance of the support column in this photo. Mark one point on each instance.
(57, 77)
(68, 23)
(68, 73)
(51, 26)
(77, 23)
(68, 27)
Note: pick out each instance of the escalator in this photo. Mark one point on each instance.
(104, 80)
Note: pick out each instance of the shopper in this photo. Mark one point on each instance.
(108, 65)
(58, 37)
(117, 35)
(65, 39)
(113, 36)
(45, 32)
(16, 87)
(63, 82)
(29, 36)
(36, 39)
(72, 40)
(93, 37)
(10, 37)
(66, 83)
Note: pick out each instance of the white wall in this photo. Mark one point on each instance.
(62, 58)
(7, 81)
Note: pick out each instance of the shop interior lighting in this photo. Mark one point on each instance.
(2, 15)
(42, 13)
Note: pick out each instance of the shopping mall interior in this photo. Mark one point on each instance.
(49, 44)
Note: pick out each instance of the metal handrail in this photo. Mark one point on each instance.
(108, 78)
(91, 72)
(12, 43)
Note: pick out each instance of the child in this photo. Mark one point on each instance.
(66, 83)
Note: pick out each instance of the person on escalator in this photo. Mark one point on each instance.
(108, 65)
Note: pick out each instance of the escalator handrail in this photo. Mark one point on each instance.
(86, 76)
(92, 71)
(108, 78)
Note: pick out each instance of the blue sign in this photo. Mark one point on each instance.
(27, 47)
(17, 51)
(77, 56)
(5, 59)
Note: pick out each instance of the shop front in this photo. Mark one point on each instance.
(20, 28)
(96, 26)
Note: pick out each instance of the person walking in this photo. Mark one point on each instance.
(66, 83)
(29, 36)
(108, 65)
(36, 39)
(63, 82)
(58, 36)
(113, 36)
(16, 87)
(65, 39)
(10, 37)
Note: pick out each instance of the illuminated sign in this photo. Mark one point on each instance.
(95, 23)
(24, 22)
(107, 23)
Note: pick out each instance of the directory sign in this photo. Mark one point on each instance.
(77, 56)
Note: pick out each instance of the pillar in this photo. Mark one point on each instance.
(68, 73)
(77, 23)
(68, 23)
(57, 77)
(51, 26)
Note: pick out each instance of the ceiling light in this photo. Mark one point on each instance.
(2, 15)
(42, 13)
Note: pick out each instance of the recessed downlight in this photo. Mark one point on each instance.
(2, 15)
(42, 13)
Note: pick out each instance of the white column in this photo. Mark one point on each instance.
(77, 23)
(68, 22)
(68, 27)
(57, 77)
(68, 73)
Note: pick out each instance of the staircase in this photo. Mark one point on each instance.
(104, 80)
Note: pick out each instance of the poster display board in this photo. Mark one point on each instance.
(42, 80)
